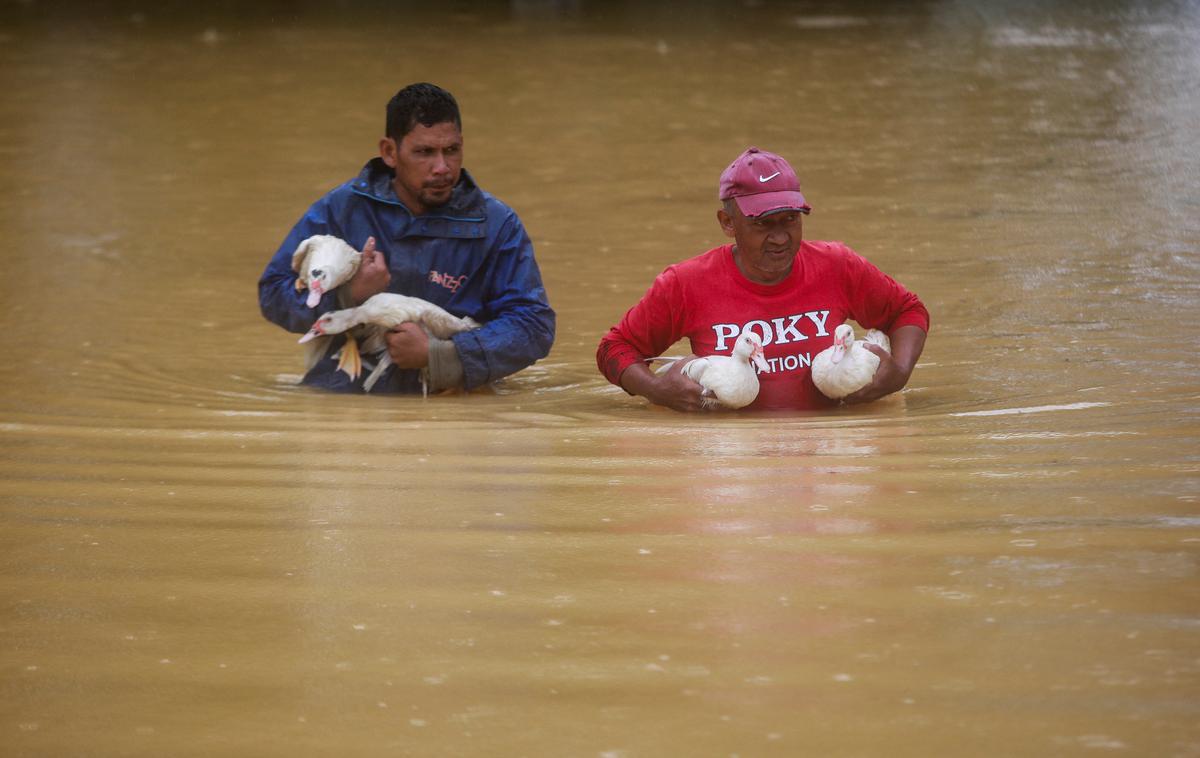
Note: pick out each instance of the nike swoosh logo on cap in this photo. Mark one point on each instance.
(762, 179)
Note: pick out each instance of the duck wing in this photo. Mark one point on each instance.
(389, 310)
(853, 372)
(877, 337)
(733, 383)
(696, 369)
(443, 324)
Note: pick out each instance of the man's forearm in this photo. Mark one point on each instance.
(907, 344)
(445, 367)
(671, 388)
(638, 379)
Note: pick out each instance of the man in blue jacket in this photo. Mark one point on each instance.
(437, 236)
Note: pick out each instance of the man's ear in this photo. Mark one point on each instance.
(389, 150)
(726, 222)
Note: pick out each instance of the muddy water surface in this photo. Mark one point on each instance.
(198, 557)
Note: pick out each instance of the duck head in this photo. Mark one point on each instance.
(323, 262)
(334, 322)
(843, 338)
(749, 348)
(317, 330)
(317, 283)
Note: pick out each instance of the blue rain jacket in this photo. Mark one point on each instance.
(470, 256)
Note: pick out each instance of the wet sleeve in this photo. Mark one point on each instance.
(651, 326)
(445, 367)
(519, 322)
(278, 298)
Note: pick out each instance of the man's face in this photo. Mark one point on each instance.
(427, 162)
(766, 245)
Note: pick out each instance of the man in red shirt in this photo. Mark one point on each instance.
(791, 292)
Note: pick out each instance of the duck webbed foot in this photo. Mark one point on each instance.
(350, 360)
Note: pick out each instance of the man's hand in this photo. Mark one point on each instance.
(889, 378)
(408, 345)
(895, 368)
(671, 388)
(372, 276)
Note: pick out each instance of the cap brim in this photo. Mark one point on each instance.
(772, 202)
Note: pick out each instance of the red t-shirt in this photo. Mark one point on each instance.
(709, 301)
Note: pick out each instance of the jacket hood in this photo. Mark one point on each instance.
(466, 203)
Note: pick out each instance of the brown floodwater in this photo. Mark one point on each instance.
(199, 557)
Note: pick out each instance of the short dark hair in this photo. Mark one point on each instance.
(422, 103)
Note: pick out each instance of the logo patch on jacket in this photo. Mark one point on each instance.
(451, 283)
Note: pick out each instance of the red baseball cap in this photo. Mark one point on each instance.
(762, 183)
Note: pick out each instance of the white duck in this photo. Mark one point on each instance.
(323, 263)
(730, 380)
(379, 314)
(846, 366)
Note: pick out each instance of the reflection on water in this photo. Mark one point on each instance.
(201, 557)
